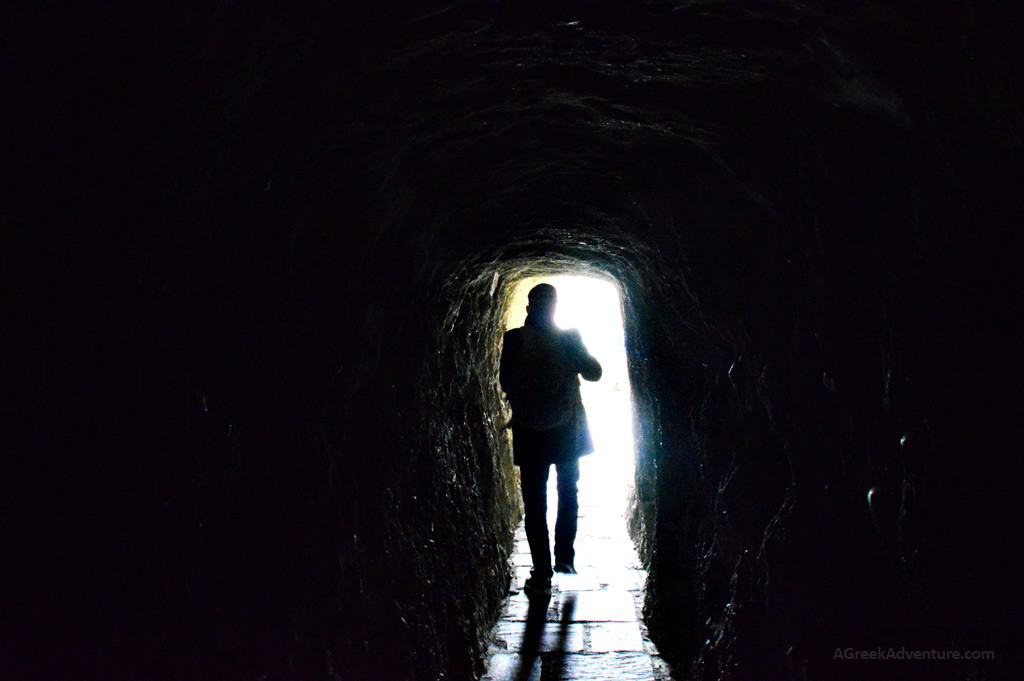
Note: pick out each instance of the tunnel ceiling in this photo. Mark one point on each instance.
(257, 259)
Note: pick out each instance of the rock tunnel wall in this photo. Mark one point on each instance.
(258, 260)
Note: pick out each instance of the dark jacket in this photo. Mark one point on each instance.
(540, 365)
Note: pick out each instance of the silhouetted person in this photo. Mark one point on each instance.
(539, 367)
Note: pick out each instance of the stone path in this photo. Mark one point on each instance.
(590, 628)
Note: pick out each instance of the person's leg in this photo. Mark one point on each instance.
(533, 478)
(568, 510)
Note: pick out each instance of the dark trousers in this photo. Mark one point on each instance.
(534, 481)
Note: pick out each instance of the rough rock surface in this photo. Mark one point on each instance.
(256, 260)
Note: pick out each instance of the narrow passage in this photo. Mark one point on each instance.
(590, 628)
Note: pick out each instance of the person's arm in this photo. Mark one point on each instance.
(586, 365)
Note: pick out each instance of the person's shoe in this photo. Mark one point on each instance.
(565, 568)
(537, 586)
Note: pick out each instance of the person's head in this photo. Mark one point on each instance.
(542, 299)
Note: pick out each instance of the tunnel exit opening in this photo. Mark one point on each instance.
(593, 305)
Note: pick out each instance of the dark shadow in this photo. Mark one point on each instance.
(533, 634)
(558, 655)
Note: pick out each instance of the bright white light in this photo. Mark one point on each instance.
(592, 305)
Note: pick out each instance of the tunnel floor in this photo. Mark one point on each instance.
(591, 627)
